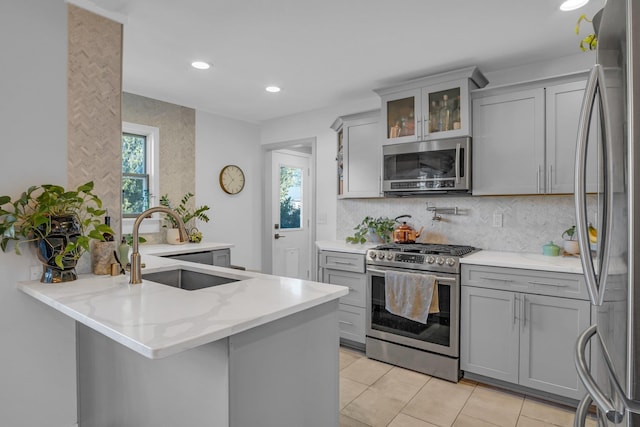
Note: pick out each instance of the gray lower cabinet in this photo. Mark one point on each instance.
(347, 269)
(521, 338)
(218, 257)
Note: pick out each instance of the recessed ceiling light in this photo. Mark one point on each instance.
(572, 5)
(200, 65)
(272, 89)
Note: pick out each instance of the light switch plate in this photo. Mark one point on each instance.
(497, 219)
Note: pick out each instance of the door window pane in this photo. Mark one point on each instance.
(290, 197)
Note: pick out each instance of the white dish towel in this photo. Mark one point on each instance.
(409, 295)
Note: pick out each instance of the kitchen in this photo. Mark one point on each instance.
(528, 222)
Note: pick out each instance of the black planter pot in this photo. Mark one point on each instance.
(64, 229)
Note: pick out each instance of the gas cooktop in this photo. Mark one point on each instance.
(427, 248)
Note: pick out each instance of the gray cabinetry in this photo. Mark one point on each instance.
(348, 269)
(359, 155)
(432, 107)
(525, 138)
(218, 257)
(520, 327)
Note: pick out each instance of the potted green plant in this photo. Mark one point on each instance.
(61, 223)
(188, 217)
(377, 230)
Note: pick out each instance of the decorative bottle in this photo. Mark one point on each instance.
(445, 115)
(434, 116)
(455, 115)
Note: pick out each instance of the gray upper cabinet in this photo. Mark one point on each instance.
(525, 138)
(563, 103)
(508, 143)
(359, 155)
(432, 107)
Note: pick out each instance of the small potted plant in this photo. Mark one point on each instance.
(377, 230)
(570, 243)
(61, 223)
(188, 217)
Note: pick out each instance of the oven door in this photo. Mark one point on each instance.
(439, 335)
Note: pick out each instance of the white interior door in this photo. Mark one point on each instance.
(290, 214)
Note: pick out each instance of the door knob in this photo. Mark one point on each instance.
(278, 236)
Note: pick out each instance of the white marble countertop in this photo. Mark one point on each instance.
(342, 246)
(528, 261)
(157, 320)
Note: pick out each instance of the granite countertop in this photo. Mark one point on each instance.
(157, 320)
(528, 261)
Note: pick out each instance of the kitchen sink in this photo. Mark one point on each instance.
(188, 280)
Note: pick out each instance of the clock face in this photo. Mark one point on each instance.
(232, 179)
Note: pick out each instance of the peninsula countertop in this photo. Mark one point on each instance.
(156, 320)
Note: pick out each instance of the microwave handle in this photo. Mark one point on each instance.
(458, 160)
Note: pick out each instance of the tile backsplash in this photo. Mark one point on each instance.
(528, 222)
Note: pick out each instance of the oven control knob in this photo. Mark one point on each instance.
(440, 260)
(372, 255)
(431, 259)
(450, 262)
(381, 255)
(390, 256)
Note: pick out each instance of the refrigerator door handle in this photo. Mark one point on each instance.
(595, 284)
(603, 403)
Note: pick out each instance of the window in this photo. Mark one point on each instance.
(140, 181)
(290, 197)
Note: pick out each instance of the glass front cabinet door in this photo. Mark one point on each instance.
(432, 107)
(402, 116)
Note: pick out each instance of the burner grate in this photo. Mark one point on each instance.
(427, 248)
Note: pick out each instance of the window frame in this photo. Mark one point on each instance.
(152, 159)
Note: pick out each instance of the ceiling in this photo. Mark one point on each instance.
(325, 52)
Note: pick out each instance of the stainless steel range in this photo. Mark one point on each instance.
(431, 347)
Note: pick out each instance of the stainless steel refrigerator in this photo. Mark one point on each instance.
(607, 352)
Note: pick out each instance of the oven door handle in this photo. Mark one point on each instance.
(438, 279)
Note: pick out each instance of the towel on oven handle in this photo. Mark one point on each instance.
(410, 295)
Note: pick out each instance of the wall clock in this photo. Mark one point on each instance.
(231, 179)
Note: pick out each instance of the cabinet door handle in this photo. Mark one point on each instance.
(524, 312)
(497, 279)
(538, 180)
(555, 285)
(550, 182)
(344, 322)
(342, 262)
(513, 309)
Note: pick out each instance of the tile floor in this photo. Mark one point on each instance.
(376, 394)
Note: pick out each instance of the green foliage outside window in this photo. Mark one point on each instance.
(290, 210)
(135, 177)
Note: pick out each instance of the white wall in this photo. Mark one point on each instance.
(317, 124)
(233, 219)
(38, 377)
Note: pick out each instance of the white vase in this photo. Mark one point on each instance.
(173, 236)
(571, 246)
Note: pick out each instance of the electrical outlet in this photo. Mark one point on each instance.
(497, 219)
(35, 272)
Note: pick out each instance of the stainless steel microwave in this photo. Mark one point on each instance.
(427, 167)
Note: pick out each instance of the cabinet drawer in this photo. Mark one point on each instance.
(342, 261)
(356, 282)
(568, 285)
(352, 323)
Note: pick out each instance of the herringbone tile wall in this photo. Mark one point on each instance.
(94, 92)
